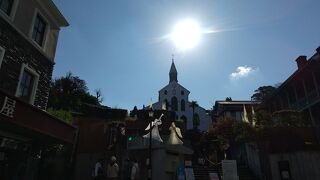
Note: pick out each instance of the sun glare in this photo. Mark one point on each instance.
(186, 34)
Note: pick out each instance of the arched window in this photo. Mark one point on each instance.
(182, 92)
(183, 105)
(165, 92)
(174, 103)
(165, 104)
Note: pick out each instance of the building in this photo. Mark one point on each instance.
(175, 97)
(236, 111)
(101, 134)
(29, 32)
(301, 91)
(291, 152)
(233, 109)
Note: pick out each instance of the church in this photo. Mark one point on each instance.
(175, 97)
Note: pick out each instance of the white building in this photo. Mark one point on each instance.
(175, 97)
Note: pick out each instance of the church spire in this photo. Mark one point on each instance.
(173, 74)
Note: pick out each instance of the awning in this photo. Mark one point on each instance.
(17, 116)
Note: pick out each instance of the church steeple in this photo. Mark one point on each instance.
(173, 74)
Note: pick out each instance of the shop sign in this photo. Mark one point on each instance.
(8, 107)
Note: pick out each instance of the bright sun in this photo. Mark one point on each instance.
(186, 34)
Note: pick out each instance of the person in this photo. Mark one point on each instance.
(113, 169)
(98, 173)
(135, 171)
(127, 169)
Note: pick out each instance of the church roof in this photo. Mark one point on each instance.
(173, 68)
(177, 84)
(173, 74)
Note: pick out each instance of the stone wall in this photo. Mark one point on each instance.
(18, 51)
(303, 164)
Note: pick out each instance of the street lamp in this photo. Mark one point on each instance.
(150, 143)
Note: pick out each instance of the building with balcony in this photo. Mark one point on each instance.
(301, 91)
(31, 140)
(233, 109)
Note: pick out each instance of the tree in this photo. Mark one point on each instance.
(262, 93)
(64, 115)
(196, 120)
(98, 94)
(289, 118)
(134, 111)
(68, 93)
(222, 133)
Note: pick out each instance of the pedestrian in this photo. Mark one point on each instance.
(127, 169)
(113, 169)
(135, 171)
(98, 172)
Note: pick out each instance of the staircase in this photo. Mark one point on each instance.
(202, 172)
(245, 173)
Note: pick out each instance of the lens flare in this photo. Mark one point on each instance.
(186, 34)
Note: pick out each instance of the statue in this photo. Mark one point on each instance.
(175, 135)
(154, 129)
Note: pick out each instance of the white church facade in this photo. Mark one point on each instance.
(175, 97)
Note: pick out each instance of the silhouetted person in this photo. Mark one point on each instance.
(98, 171)
(135, 171)
(127, 169)
(113, 169)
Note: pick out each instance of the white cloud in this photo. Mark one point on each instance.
(242, 71)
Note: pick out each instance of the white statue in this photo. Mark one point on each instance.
(155, 131)
(175, 135)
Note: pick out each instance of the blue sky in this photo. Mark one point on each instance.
(116, 45)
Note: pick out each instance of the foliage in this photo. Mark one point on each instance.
(243, 132)
(262, 93)
(98, 94)
(227, 132)
(134, 111)
(61, 114)
(222, 133)
(195, 120)
(69, 92)
(289, 118)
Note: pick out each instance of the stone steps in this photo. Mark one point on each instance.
(202, 172)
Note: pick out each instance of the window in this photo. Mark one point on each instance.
(39, 29)
(1, 55)
(165, 92)
(6, 6)
(27, 84)
(174, 104)
(183, 105)
(165, 105)
(182, 92)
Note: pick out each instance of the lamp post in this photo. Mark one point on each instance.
(150, 144)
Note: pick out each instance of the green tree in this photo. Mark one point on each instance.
(61, 114)
(69, 92)
(289, 118)
(195, 119)
(262, 93)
